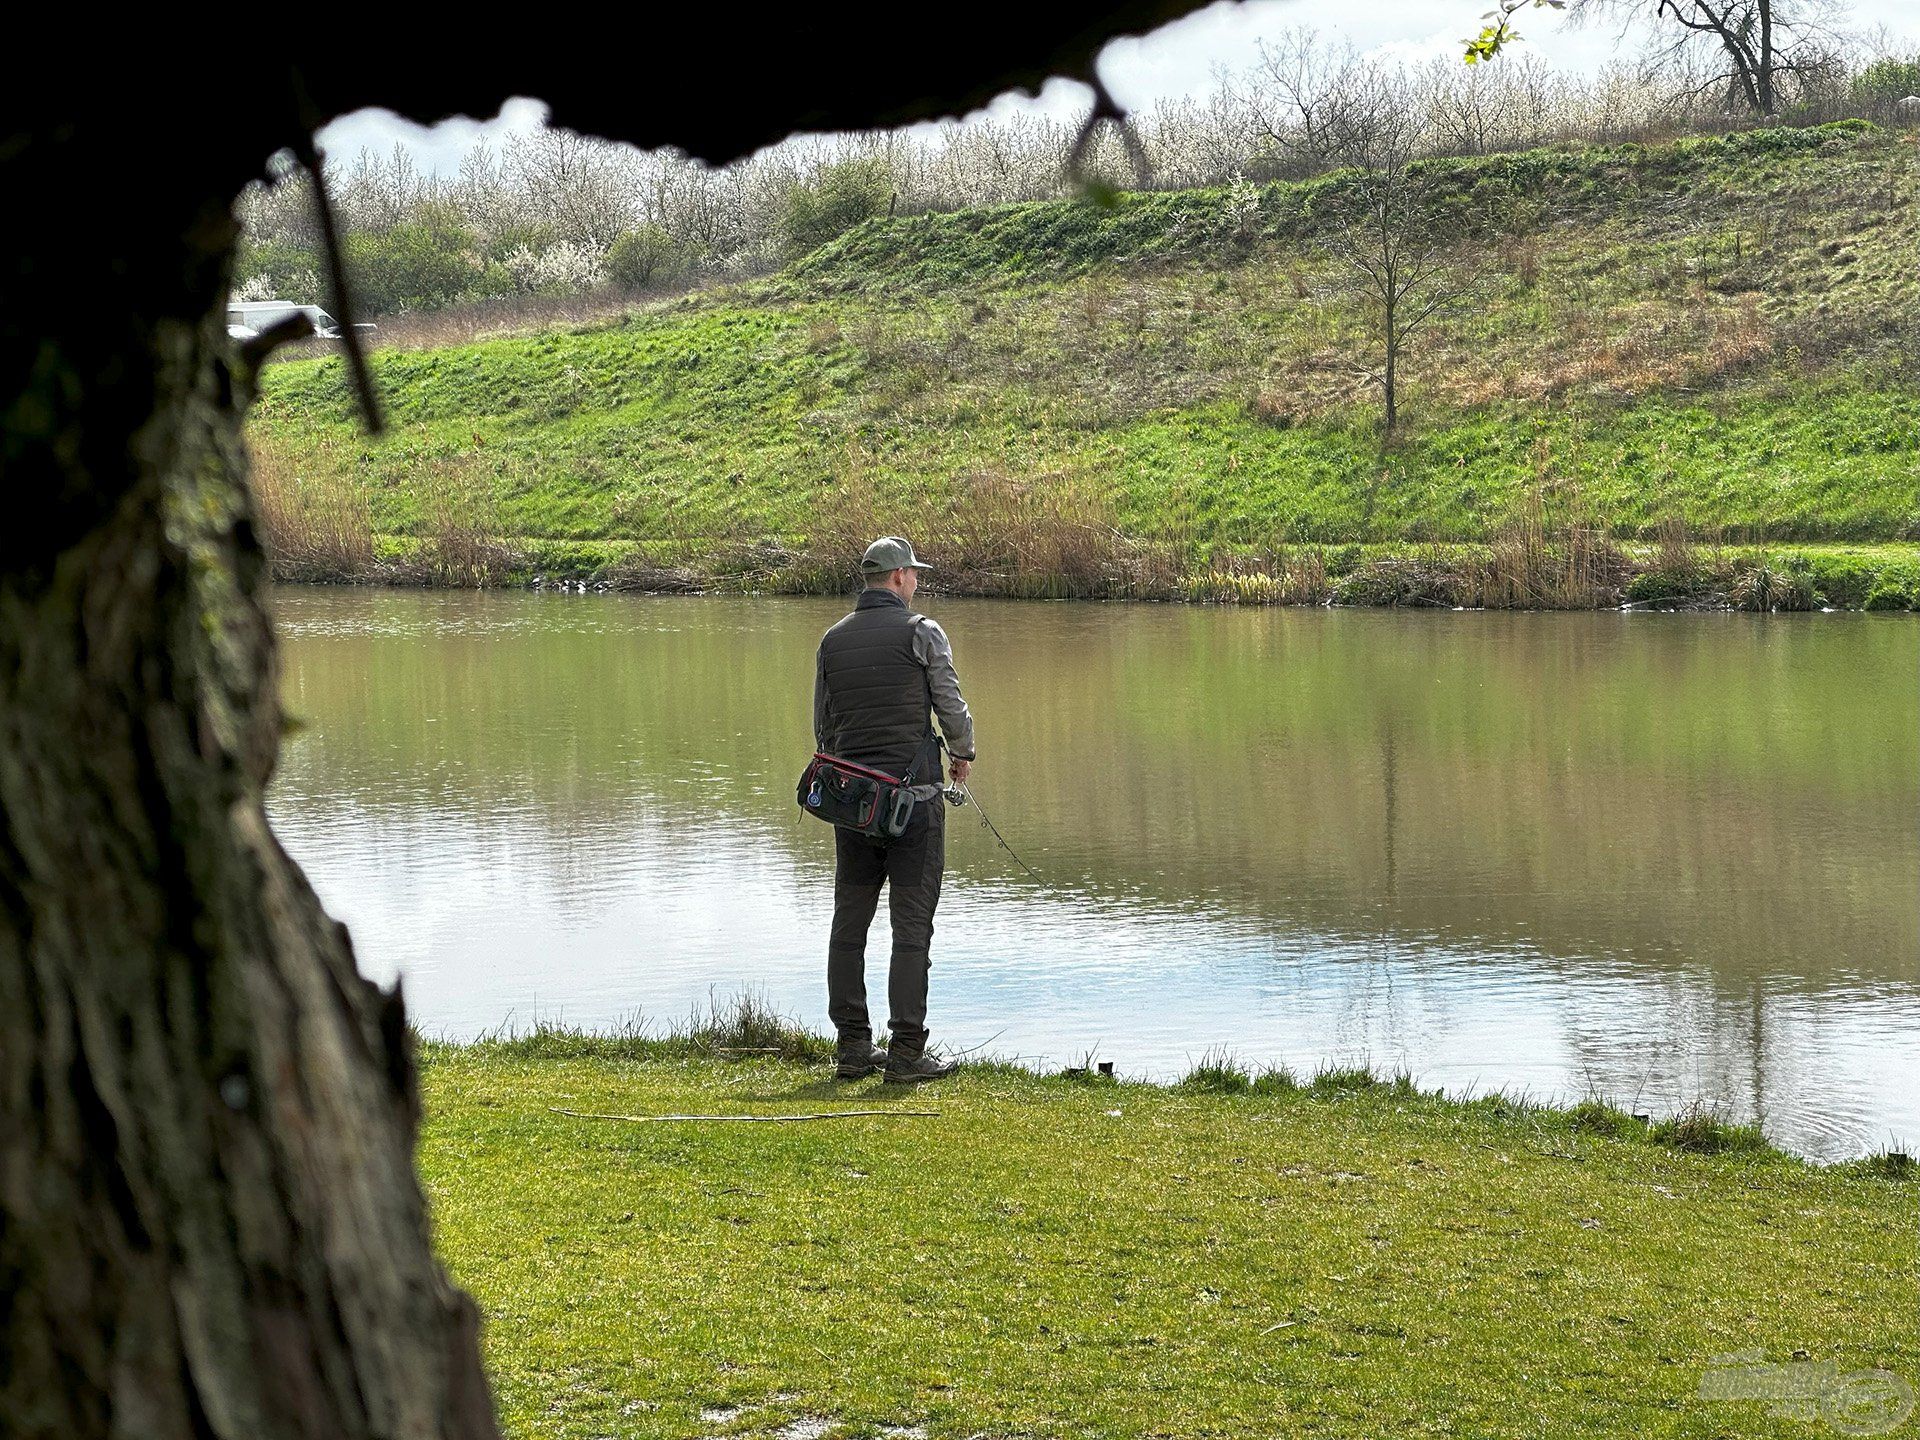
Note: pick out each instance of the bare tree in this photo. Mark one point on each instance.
(483, 194)
(689, 201)
(581, 187)
(281, 212)
(1760, 52)
(378, 192)
(1397, 257)
(1489, 108)
(1198, 142)
(1311, 103)
(996, 161)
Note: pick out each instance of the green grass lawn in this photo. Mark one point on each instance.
(1047, 1257)
(682, 428)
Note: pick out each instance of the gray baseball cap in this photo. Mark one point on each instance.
(890, 552)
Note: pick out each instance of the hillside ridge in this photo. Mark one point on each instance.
(1713, 336)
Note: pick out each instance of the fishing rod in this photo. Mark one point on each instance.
(961, 794)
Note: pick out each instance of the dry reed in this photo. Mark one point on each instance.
(313, 515)
(464, 548)
(989, 532)
(1536, 563)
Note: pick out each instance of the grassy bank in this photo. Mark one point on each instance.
(1049, 1256)
(1710, 338)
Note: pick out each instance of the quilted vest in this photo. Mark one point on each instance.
(879, 706)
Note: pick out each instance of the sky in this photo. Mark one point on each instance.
(1176, 60)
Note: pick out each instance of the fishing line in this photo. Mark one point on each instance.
(965, 796)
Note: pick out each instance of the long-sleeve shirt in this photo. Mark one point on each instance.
(933, 650)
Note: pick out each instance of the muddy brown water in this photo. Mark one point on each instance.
(1662, 858)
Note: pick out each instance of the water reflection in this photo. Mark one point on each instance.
(1664, 857)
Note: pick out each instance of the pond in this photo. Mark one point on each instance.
(1657, 857)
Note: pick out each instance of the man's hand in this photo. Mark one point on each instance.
(960, 769)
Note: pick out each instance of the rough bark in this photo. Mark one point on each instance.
(209, 1221)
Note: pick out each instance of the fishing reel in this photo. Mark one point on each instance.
(954, 794)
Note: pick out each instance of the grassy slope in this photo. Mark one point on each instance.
(1029, 1262)
(1704, 331)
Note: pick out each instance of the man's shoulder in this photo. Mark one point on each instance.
(840, 624)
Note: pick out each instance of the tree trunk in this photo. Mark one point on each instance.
(1764, 95)
(1390, 376)
(209, 1220)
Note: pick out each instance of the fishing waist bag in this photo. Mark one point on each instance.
(856, 797)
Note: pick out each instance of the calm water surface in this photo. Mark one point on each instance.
(1664, 857)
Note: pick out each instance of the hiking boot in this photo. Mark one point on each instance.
(910, 1064)
(858, 1059)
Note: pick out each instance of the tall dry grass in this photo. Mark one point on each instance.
(1773, 587)
(990, 533)
(1537, 562)
(1679, 571)
(463, 546)
(313, 515)
(316, 524)
(1673, 548)
(1057, 536)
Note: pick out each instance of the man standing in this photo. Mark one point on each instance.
(882, 672)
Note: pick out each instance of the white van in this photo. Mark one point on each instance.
(247, 318)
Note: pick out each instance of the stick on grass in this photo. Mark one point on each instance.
(758, 1119)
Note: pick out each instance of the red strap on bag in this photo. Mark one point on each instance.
(866, 770)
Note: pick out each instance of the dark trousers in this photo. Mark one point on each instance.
(910, 866)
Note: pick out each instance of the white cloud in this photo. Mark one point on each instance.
(436, 149)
